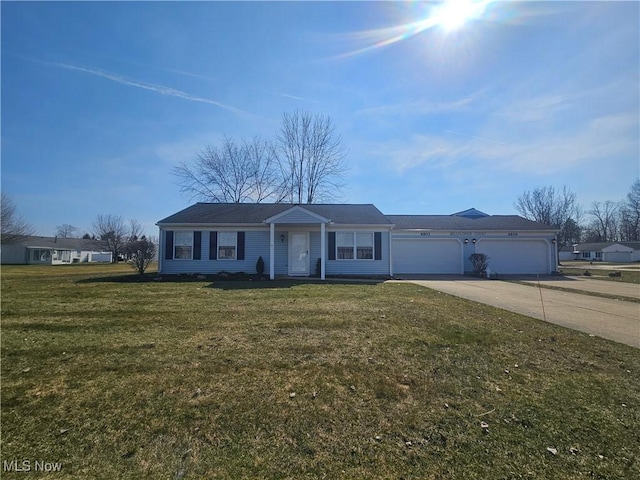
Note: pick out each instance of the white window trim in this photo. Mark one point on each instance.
(175, 245)
(355, 247)
(235, 247)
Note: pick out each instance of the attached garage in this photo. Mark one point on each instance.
(427, 256)
(511, 256)
(616, 257)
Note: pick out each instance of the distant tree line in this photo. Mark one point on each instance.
(607, 221)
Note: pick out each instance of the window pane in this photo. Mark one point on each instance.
(345, 253)
(344, 239)
(365, 253)
(183, 242)
(183, 252)
(364, 239)
(183, 239)
(227, 245)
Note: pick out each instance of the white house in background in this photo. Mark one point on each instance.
(292, 240)
(54, 251)
(611, 252)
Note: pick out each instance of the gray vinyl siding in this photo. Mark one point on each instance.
(256, 245)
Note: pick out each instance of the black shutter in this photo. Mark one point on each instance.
(377, 245)
(332, 245)
(240, 253)
(168, 245)
(213, 245)
(197, 244)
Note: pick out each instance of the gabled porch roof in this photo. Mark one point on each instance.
(297, 215)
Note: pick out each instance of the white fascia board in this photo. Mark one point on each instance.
(211, 226)
(333, 227)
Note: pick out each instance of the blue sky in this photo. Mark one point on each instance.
(101, 100)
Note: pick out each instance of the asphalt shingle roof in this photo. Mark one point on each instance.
(62, 243)
(596, 247)
(257, 213)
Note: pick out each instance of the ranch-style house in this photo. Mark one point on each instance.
(347, 239)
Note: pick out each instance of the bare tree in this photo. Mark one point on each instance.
(65, 230)
(12, 225)
(311, 157)
(112, 230)
(135, 230)
(551, 207)
(604, 225)
(232, 173)
(141, 253)
(630, 214)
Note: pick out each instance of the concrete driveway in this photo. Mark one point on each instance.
(612, 319)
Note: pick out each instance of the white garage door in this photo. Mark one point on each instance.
(427, 256)
(516, 256)
(617, 257)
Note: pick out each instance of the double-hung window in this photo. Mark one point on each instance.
(344, 245)
(354, 245)
(227, 245)
(183, 245)
(364, 246)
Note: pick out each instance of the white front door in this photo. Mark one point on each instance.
(299, 253)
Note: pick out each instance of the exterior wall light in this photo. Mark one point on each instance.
(473, 241)
(466, 240)
(282, 238)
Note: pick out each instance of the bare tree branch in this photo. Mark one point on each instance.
(112, 230)
(65, 230)
(13, 227)
(311, 157)
(232, 173)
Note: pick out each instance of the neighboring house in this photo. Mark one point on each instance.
(210, 238)
(53, 251)
(612, 252)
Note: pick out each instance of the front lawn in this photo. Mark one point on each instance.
(192, 380)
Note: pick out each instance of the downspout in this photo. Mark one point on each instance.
(272, 248)
(322, 250)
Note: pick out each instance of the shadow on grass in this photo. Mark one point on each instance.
(231, 282)
(287, 283)
(128, 278)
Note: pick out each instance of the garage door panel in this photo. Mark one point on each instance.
(516, 256)
(421, 256)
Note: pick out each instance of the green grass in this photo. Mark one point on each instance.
(195, 380)
(627, 276)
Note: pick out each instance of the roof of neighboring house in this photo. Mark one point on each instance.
(596, 247)
(457, 222)
(62, 243)
(257, 213)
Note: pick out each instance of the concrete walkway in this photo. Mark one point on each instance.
(612, 319)
(585, 284)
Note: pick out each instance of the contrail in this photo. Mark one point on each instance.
(162, 90)
(477, 138)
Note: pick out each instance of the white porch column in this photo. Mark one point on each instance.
(322, 250)
(272, 252)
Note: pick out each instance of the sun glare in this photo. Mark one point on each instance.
(453, 14)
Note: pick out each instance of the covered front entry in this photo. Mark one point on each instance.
(427, 256)
(299, 253)
(299, 221)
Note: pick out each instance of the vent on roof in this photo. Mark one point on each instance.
(471, 213)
